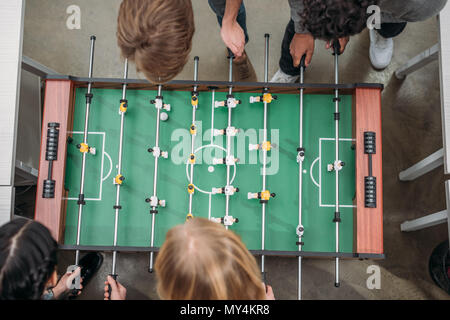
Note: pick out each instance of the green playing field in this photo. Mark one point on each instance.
(138, 166)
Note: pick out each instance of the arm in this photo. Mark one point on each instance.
(231, 32)
(303, 42)
(296, 10)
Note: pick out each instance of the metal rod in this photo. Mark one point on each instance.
(264, 150)
(300, 180)
(155, 179)
(336, 72)
(230, 92)
(119, 171)
(213, 98)
(194, 109)
(85, 140)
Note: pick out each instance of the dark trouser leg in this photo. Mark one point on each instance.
(390, 30)
(218, 6)
(286, 62)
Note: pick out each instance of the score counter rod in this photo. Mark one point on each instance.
(84, 148)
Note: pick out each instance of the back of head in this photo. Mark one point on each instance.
(201, 260)
(334, 19)
(27, 259)
(156, 35)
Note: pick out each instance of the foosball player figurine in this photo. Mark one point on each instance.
(85, 148)
(230, 131)
(119, 179)
(263, 196)
(193, 129)
(228, 190)
(229, 161)
(265, 97)
(156, 151)
(266, 146)
(226, 221)
(155, 203)
(231, 102)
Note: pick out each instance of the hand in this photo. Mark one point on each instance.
(63, 285)
(118, 292)
(233, 37)
(342, 41)
(302, 44)
(269, 293)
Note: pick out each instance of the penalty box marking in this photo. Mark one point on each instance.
(319, 185)
(104, 153)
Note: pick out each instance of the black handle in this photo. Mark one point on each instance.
(303, 62)
(230, 54)
(336, 47)
(114, 276)
(264, 279)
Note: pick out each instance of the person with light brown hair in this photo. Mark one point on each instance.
(156, 35)
(201, 260)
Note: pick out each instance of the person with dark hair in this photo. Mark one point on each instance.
(28, 263)
(332, 20)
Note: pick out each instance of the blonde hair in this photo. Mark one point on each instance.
(201, 260)
(156, 35)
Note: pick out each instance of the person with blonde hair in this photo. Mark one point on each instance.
(156, 35)
(201, 260)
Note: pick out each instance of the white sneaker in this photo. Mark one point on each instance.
(282, 77)
(381, 50)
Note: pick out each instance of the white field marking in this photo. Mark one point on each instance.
(198, 149)
(110, 167)
(99, 198)
(311, 172)
(209, 207)
(320, 174)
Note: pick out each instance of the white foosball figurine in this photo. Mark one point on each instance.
(156, 151)
(226, 221)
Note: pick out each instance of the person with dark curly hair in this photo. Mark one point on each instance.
(330, 20)
(28, 263)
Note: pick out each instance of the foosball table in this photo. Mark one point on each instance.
(294, 169)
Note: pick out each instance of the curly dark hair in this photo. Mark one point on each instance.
(27, 259)
(334, 19)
